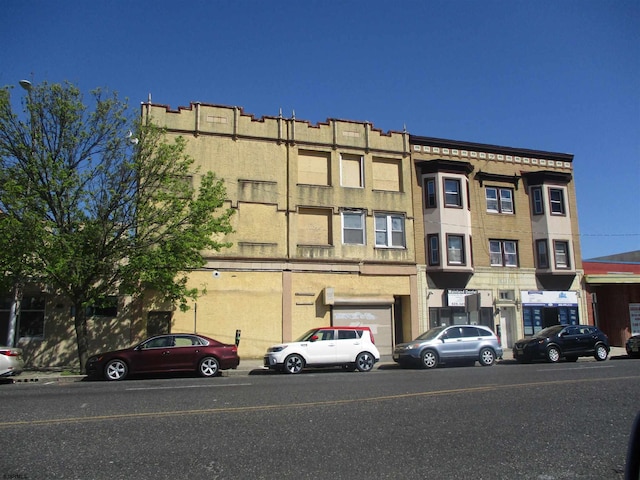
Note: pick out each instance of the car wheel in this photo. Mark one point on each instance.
(572, 358)
(116, 370)
(601, 352)
(553, 354)
(209, 367)
(429, 359)
(487, 357)
(364, 362)
(293, 364)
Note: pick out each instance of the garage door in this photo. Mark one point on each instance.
(378, 318)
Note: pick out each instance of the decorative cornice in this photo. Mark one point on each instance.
(479, 151)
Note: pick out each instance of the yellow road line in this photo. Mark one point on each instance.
(258, 408)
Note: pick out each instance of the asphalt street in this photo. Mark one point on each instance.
(537, 421)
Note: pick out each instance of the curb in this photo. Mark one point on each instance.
(252, 367)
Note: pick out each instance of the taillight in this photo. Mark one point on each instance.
(10, 352)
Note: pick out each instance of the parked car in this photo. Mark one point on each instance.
(349, 347)
(450, 343)
(11, 362)
(166, 353)
(633, 346)
(558, 341)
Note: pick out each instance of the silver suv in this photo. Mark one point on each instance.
(445, 344)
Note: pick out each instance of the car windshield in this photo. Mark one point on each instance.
(550, 331)
(431, 334)
(307, 336)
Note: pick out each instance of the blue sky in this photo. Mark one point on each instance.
(554, 75)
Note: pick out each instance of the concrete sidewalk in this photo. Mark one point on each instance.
(247, 367)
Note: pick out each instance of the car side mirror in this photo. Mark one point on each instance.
(314, 338)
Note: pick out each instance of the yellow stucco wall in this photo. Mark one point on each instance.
(252, 301)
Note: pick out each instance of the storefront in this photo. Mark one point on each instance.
(543, 308)
(460, 307)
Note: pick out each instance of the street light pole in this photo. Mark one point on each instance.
(14, 312)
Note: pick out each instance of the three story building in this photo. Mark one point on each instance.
(324, 227)
(500, 236)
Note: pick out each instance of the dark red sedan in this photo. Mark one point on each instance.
(178, 352)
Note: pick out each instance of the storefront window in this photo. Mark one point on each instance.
(535, 318)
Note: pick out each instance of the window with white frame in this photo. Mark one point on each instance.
(353, 227)
(452, 192)
(389, 230)
(503, 253)
(561, 252)
(455, 250)
(542, 253)
(430, 193)
(556, 201)
(499, 200)
(351, 171)
(537, 201)
(433, 241)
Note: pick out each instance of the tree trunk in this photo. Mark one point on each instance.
(82, 336)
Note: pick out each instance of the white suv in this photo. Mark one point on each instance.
(349, 347)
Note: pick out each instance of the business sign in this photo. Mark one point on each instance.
(457, 298)
(634, 317)
(549, 298)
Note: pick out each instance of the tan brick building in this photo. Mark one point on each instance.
(500, 236)
(324, 227)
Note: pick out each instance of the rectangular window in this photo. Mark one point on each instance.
(452, 193)
(108, 307)
(561, 250)
(455, 250)
(491, 194)
(542, 253)
(314, 226)
(503, 253)
(556, 201)
(353, 227)
(430, 193)
(351, 171)
(499, 200)
(387, 174)
(314, 168)
(31, 322)
(434, 249)
(537, 202)
(389, 231)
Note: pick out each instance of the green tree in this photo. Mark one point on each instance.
(108, 202)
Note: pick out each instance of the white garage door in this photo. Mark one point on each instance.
(378, 318)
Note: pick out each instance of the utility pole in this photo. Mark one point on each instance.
(18, 288)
